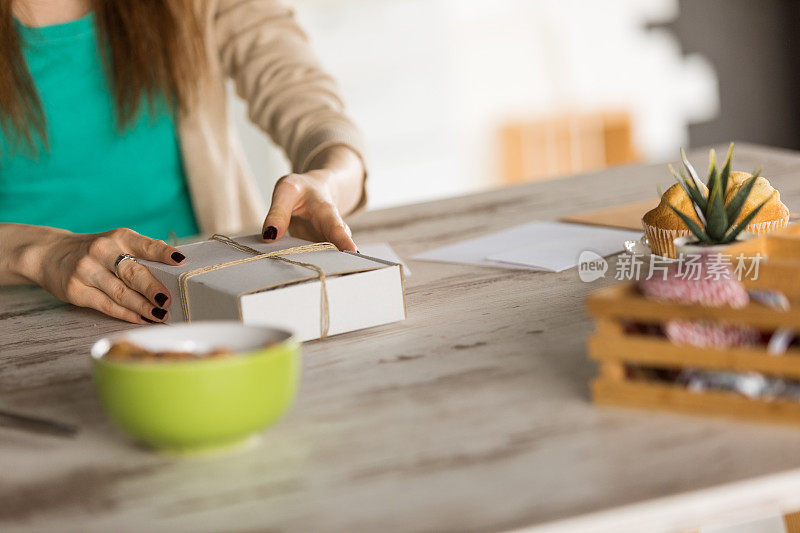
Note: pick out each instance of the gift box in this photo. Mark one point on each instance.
(311, 289)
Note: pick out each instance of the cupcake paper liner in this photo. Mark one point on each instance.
(760, 228)
(660, 239)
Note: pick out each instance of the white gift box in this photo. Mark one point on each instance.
(361, 291)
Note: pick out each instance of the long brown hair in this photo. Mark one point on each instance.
(150, 48)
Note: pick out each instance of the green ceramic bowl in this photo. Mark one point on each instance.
(198, 404)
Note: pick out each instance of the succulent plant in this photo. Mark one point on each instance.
(717, 220)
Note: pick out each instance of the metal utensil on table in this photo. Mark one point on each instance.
(36, 425)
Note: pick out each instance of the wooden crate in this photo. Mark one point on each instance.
(781, 267)
(614, 346)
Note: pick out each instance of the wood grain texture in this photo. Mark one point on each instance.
(472, 415)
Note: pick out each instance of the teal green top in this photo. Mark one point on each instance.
(94, 176)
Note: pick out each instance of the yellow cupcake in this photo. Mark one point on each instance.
(662, 225)
(774, 215)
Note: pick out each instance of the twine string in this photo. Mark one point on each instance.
(183, 278)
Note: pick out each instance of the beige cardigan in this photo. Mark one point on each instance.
(259, 45)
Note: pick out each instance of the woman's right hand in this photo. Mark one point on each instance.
(79, 269)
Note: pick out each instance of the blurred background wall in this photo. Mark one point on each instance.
(755, 50)
(456, 96)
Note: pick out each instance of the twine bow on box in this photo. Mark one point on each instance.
(183, 278)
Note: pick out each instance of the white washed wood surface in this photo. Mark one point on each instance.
(472, 415)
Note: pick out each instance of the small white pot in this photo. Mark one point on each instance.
(689, 245)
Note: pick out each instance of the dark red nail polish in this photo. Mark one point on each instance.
(270, 233)
(161, 299)
(148, 320)
(178, 257)
(159, 313)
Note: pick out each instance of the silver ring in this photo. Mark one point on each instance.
(120, 259)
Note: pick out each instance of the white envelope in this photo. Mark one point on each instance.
(550, 246)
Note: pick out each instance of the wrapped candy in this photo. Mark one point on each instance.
(782, 338)
(751, 384)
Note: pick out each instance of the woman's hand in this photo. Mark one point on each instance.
(79, 269)
(310, 205)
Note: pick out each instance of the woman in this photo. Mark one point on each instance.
(113, 115)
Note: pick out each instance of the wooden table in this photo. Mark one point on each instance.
(472, 415)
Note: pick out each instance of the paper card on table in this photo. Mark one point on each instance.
(381, 250)
(473, 251)
(560, 244)
(558, 248)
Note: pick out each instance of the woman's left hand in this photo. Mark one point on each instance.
(308, 205)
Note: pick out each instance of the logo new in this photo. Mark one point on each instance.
(591, 266)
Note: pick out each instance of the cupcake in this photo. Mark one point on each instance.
(774, 215)
(662, 225)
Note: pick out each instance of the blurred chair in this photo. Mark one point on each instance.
(566, 144)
